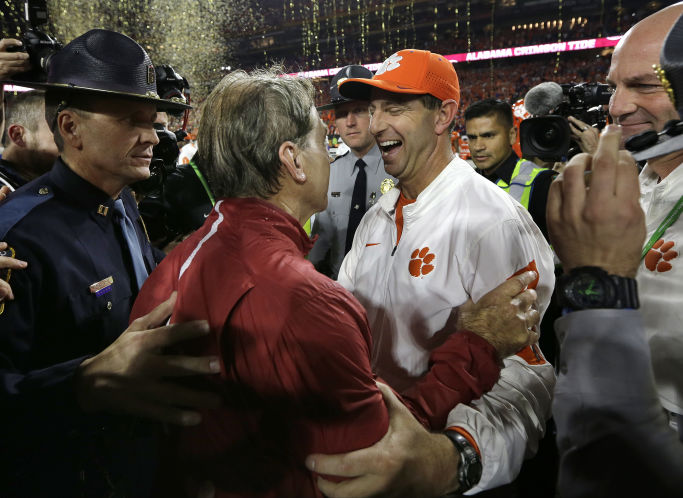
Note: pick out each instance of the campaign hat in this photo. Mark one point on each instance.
(108, 64)
(345, 73)
(409, 71)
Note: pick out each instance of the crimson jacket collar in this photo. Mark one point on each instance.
(251, 208)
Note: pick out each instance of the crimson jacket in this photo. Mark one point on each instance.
(296, 376)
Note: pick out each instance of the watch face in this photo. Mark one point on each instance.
(589, 290)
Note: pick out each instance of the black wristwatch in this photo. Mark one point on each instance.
(590, 287)
(469, 470)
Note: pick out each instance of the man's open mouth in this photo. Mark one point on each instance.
(389, 145)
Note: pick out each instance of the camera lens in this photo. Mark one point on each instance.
(546, 137)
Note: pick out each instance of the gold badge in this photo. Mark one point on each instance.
(102, 210)
(386, 185)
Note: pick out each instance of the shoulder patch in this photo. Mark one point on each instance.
(20, 203)
(341, 155)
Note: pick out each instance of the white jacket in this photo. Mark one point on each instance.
(660, 287)
(478, 236)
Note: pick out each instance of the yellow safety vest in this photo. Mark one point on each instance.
(521, 181)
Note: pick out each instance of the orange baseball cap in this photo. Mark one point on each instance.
(416, 72)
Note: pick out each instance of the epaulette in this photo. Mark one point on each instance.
(20, 203)
(341, 155)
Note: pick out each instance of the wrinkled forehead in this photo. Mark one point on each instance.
(635, 57)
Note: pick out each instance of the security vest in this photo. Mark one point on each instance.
(521, 181)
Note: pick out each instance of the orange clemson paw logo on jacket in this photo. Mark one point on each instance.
(658, 258)
(421, 262)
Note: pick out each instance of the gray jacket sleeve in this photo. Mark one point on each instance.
(612, 433)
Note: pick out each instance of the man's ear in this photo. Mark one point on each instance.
(513, 135)
(287, 154)
(445, 116)
(17, 134)
(69, 125)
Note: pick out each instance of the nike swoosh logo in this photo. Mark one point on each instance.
(373, 244)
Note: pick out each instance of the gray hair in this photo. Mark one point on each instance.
(23, 108)
(245, 120)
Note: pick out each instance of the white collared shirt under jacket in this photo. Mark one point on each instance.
(660, 286)
(477, 236)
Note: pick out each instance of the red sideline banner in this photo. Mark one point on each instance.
(500, 53)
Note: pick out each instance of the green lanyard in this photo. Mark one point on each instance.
(203, 182)
(668, 221)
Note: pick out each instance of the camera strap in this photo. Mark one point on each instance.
(668, 221)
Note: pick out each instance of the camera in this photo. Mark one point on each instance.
(172, 86)
(547, 135)
(39, 46)
(175, 201)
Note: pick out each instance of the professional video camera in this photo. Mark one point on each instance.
(547, 135)
(175, 200)
(170, 86)
(39, 45)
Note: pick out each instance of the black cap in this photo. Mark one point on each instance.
(344, 73)
(106, 63)
(671, 61)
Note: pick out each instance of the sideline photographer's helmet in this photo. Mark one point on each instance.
(105, 63)
(344, 74)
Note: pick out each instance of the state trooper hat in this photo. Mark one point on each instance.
(108, 64)
(344, 74)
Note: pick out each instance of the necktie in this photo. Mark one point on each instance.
(131, 237)
(357, 203)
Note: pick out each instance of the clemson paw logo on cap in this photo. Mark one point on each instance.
(390, 64)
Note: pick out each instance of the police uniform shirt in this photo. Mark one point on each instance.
(539, 191)
(331, 225)
(71, 302)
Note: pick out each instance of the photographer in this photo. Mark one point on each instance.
(177, 199)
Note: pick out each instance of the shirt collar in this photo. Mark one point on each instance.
(372, 160)
(504, 171)
(81, 192)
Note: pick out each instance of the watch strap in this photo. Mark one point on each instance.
(469, 470)
(627, 292)
(623, 293)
